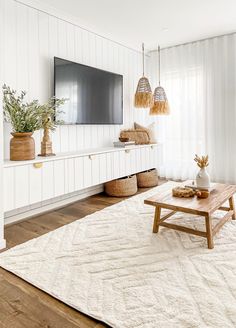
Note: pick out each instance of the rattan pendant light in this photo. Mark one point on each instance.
(143, 96)
(160, 105)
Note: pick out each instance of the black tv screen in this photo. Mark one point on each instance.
(94, 96)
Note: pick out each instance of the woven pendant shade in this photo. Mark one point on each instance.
(160, 105)
(143, 96)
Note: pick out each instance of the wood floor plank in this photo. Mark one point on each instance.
(23, 305)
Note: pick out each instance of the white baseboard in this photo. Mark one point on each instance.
(2, 244)
(52, 206)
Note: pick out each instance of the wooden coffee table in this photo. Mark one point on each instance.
(203, 207)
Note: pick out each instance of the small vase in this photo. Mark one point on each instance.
(203, 179)
(22, 146)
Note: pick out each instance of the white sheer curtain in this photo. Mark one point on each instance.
(200, 82)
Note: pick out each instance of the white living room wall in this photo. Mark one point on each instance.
(32, 37)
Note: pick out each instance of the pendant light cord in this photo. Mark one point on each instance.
(143, 56)
(159, 64)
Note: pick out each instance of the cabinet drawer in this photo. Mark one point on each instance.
(87, 171)
(21, 186)
(95, 159)
(79, 173)
(9, 190)
(59, 178)
(47, 181)
(69, 175)
(35, 184)
(103, 168)
(116, 165)
(110, 166)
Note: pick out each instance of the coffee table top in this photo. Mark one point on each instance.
(218, 196)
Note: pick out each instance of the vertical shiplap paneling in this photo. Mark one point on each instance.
(78, 45)
(70, 36)
(2, 75)
(53, 52)
(33, 38)
(44, 59)
(33, 64)
(22, 42)
(80, 137)
(10, 43)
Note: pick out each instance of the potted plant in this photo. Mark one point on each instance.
(49, 116)
(25, 119)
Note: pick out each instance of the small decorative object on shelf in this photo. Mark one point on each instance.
(124, 139)
(202, 193)
(123, 144)
(50, 113)
(25, 118)
(202, 178)
(183, 192)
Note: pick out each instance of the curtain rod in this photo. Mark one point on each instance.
(191, 42)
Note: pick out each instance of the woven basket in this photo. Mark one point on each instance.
(147, 179)
(122, 187)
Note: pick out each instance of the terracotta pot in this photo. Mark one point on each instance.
(22, 146)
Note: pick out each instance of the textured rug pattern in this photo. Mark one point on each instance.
(111, 266)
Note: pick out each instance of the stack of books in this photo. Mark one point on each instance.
(123, 144)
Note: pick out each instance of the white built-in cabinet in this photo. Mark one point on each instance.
(27, 183)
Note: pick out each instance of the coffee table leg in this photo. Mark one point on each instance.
(210, 242)
(156, 219)
(231, 205)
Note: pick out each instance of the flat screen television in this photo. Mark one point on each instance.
(94, 96)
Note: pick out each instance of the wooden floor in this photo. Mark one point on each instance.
(24, 306)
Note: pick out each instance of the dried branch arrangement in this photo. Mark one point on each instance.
(201, 161)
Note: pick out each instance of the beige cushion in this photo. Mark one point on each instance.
(150, 130)
(139, 136)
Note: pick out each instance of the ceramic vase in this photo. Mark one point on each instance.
(203, 179)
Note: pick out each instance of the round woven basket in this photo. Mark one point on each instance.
(147, 179)
(122, 187)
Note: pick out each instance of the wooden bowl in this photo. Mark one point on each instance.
(124, 139)
(202, 193)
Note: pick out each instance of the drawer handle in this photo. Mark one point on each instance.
(152, 146)
(127, 151)
(91, 157)
(38, 165)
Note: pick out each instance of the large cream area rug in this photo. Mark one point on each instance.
(111, 266)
